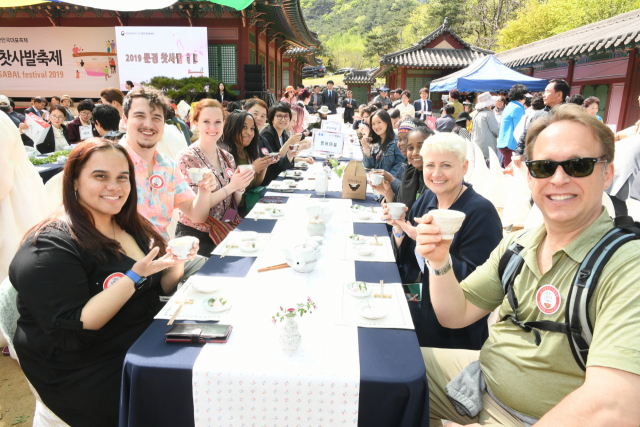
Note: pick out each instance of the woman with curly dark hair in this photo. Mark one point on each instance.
(242, 139)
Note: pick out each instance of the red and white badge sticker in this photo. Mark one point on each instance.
(265, 151)
(548, 299)
(229, 172)
(156, 181)
(113, 278)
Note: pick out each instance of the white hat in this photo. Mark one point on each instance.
(4, 101)
(485, 100)
(324, 110)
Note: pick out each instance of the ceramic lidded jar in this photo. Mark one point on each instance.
(316, 227)
(289, 335)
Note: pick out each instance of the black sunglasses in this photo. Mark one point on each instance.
(577, 168)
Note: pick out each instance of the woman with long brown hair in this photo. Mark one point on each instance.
(230, 182)
(88, 279)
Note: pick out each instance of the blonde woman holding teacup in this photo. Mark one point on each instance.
(444, 165)
(88, 279)
(230, 182)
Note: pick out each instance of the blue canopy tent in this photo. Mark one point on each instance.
(486, 74)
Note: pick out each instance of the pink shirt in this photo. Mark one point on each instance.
(194, 157)
(159, 195)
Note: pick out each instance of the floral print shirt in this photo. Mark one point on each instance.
(194, 157)
(161, 193)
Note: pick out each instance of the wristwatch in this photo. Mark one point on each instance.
(398, 235)
(440, 272)
(137, 280)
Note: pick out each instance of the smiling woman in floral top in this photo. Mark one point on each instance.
(230, 182)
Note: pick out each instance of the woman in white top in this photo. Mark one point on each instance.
(57, 137)
(405, 107)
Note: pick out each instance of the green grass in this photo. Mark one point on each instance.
(337, 80)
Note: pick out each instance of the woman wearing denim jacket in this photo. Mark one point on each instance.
(381, 150)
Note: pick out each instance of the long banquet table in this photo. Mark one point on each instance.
(157, 376)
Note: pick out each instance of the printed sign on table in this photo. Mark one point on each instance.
(329, 142)
(331, 126)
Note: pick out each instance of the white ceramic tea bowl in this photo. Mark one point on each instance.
(449, 221)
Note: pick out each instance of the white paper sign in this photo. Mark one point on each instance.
(331, 126)
(340, 111)
(147, 52)
(334, 118)
(329, 142)
(183, 109)
(85, 132)
(38, 128)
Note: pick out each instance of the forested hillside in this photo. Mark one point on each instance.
(355, 33)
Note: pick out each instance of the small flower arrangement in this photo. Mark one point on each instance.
(302, 308)
(338, 168)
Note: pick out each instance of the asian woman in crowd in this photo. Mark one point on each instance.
(89, 279)
(85, 113)
(444, 165)
(381, 150)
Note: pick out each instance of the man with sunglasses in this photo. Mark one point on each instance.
(526, 372)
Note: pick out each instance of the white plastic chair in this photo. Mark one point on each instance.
(43, 416)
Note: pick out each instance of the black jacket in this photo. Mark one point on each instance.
(226, 96)
(480, 233)
(49, 143)
(331, 102)
(349, 112)
(270, 142)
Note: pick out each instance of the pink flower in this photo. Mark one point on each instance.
(273, 320)
(291, 309)
(309, 299)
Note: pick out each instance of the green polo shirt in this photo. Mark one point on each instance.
(532, 379)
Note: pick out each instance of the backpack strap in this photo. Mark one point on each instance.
(585, 281)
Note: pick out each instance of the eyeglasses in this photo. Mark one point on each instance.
(56, 117)
(282, 117)
(577, 168)
(86, 113)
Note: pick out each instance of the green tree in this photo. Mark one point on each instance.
(542, 19)
(380, 41)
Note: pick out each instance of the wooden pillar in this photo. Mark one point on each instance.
(267, 62)
(403, 79)
(242, 58)
(278, 78)
(570, 72)
(627, 94)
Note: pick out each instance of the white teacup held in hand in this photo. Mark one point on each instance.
(181, 246)
(376, 179)
(196, 174)
(448, 221)
(245, 167)
(396, 210)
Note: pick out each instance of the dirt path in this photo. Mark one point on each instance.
(16, 400)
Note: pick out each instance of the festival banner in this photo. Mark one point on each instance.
(147, 52)
(47, 61)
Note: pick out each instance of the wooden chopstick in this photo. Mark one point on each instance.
(376, 243)
(175, 314)
(381, 294)
(257, 215)
(224, 254)
(274, 267)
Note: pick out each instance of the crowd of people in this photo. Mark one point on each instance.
(79, 313)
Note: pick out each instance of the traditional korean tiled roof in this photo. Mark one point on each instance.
(355, 77)
(419, 56)
(620, 30)
(298, 51)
